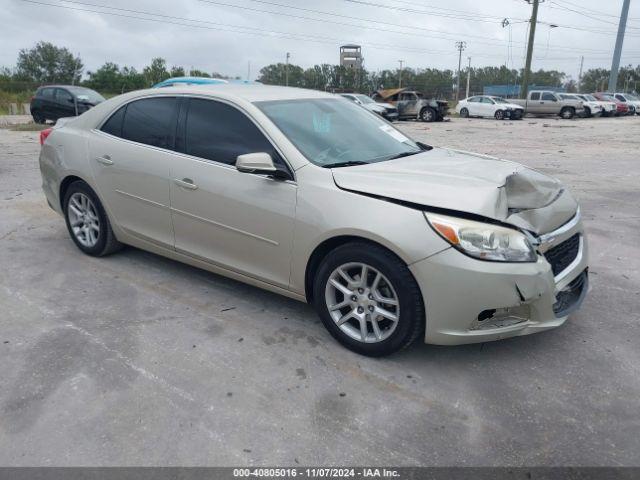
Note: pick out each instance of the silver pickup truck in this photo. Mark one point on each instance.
(543, 102)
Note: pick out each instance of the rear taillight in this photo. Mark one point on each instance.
(44, 134)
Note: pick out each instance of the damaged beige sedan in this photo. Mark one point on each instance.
(306, 194)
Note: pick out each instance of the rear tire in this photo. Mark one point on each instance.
(87, 221)
(567, 113)
(464, 113)
(428, 114)
(38, 118)
(358, 298)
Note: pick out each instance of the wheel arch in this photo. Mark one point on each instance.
(66, 182)
(324, 248)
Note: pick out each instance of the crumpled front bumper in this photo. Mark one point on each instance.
(470, 301)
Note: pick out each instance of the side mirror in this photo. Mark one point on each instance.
(256, 163)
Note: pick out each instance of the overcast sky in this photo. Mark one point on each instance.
(225, 35)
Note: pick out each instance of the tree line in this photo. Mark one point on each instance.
(46, 63)
(436, 82)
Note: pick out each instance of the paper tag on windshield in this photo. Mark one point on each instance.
(392, 132)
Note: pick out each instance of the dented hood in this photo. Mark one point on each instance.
(466, 182)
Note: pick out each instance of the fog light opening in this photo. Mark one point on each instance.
(501, 317)
(486, 314)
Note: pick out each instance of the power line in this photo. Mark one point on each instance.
(587, 15)
(218, 26)
(594, 11)
(194, 23)
(332, 14)
(472, 16)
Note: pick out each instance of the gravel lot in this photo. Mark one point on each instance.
(137, 360)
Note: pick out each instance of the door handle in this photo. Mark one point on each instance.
(105, 160)
(185, 183)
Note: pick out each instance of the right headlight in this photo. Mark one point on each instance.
(483, 240)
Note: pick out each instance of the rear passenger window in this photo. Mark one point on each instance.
(219, 132)
(150, 121)
(113, 126)
(535, 96)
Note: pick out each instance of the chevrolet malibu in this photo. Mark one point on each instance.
(310, 196)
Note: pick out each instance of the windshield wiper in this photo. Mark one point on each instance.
(350, 163)
(404, 154)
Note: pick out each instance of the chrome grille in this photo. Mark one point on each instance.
(561, 256)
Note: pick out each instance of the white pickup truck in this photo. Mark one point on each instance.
(544, 102)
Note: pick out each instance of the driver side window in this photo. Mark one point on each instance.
(219, 132)
(548, 96)
(64, 97)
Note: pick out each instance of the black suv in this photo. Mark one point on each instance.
(56, 101)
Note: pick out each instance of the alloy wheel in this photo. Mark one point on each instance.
(362, 302)
(83, 219)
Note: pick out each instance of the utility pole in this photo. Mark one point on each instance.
(580, 74)
(75, 70)
(615, 64)
(400, 74)
(468, 77)
(286, 70)
(460, 46)
(532, 36)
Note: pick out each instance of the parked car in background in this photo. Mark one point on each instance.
(607, 108)
(385, 110)
(170, 82)
(57, 101)
(631, 100)
(489, 106)
(591, 109)
(307, 195)
(546, 102)
(621, 107)
(413, 105)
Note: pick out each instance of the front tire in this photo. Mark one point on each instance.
(87, 221)
(499, 115)
(464, 113)
(368, 299)
(587, 112)
(428, 114)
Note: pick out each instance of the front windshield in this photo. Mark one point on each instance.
(86, 95)
(331, 132)
(590, 98)
(632, 97)
(609, 97)
(364, 99)
(499, 100)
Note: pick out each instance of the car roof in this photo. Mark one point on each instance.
(248, 93)
(192, 80)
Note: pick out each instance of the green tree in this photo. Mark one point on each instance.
(107, 78)
(46, 63)
(198, 73)
(276, 74)
(595, 80)
(156, 71)
(177, 72)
